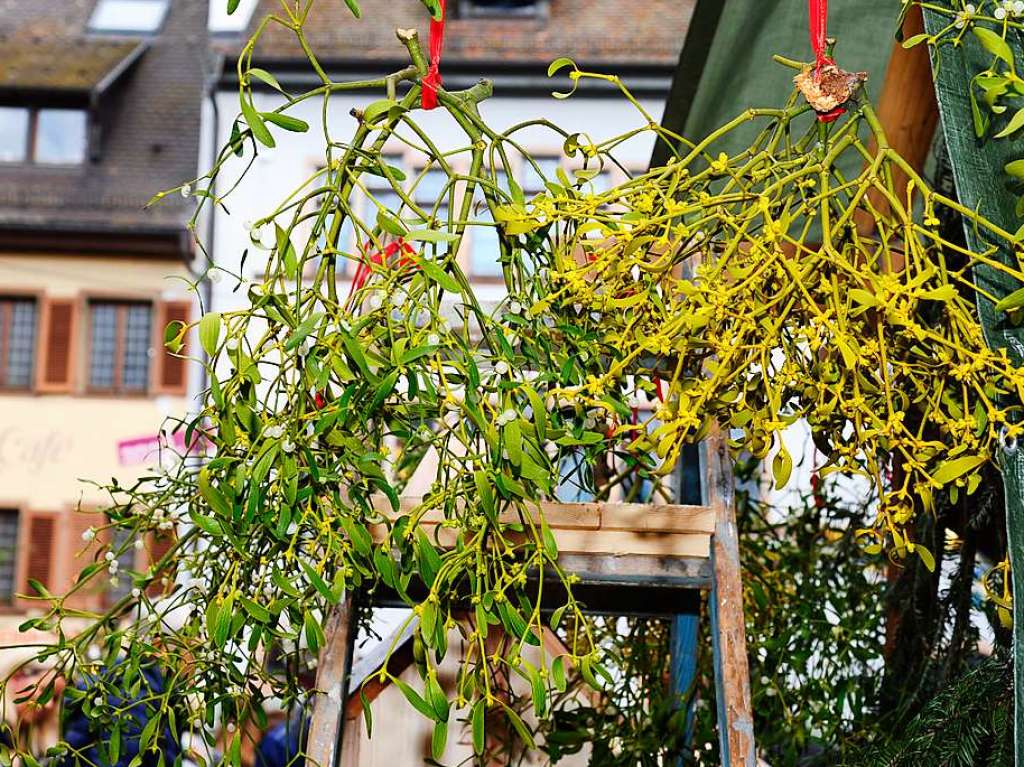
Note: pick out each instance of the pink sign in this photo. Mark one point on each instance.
(142, 450)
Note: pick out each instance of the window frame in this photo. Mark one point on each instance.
(32, 139)
(18, 510)
(129, 31)
(38, 298)
(469, 9)
(122, 303)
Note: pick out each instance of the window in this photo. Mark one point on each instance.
(120, 336)
(13, 134)
(476, 8)
(431, 195)
(60, 136)
(534, 178)
(128, 16)
(17, 342)
(485, 251)
(8, 551)
(43, 136)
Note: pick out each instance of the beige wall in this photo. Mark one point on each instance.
(50, 443)
(59, 275)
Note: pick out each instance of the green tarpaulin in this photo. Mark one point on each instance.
(981, 184)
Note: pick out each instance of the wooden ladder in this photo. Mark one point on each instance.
(629, 551)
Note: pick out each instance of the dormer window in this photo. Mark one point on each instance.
(128, 17)
(43, 136)
(469, 9)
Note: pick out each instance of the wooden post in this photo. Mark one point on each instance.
(908, 112)
(323, 746)
(728, 629)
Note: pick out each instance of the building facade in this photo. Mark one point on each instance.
(100, 106)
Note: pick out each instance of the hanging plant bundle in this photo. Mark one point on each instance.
(750, 290)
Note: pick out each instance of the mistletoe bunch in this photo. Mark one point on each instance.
(748, 290)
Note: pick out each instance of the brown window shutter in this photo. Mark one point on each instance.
(39, 540)
(159, 545)
(59, 327)
(77, 553)
(171, 370)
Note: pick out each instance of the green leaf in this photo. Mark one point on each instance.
(302, 331)
(414, 698)
(367, 711)
(390, 224)
(260, 613)
(318, 583)
(913, 40)
(438, 275)
(439, 740)
(514, 443)
(782, 467)
(354, 7)
(560, 64)
(479, 722)
(438, 700)
(431, 235)
(265, 76)
(384, 389)
(994, 44)
(558, 673)
(1015, 124)
(926, 557)
(209, 332)
(377, 109)
(1012, 301)
(951, 470)
(174, 335)
(428, 558)
(214, 497)
(259, 128)
(314, 634)
(863, 297)
(520, 728)
(233, 6)
(550, 545)
(1015, 168)
(289, 123)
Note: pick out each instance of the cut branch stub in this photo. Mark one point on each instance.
(828, 87)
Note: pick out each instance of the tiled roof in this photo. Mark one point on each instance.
(149, 120)
(61, 64)
(624, 32)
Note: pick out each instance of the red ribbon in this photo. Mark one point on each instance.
(432, 80)
(381, 258)
(817, 11)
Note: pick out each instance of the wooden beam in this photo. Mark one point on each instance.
(728, 628)
(631, 517)
(326, 729)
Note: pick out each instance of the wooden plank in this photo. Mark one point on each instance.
(623, 542)
(583, 541)
(728, 629)
(323, 746)
(657, 518)
(639, 570)
(570, 516)
(639, 517)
